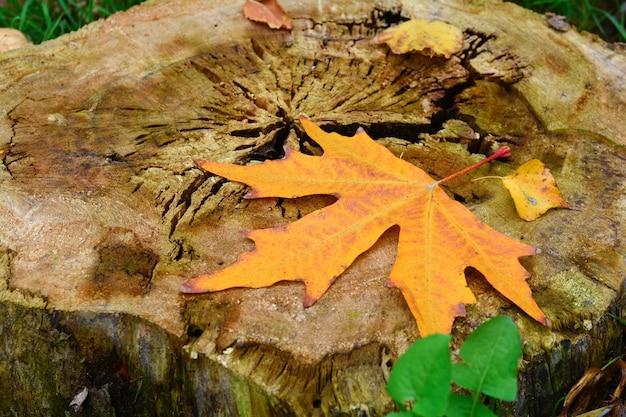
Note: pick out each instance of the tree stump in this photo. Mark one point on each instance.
(103, 213)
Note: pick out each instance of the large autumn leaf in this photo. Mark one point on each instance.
(439, 237)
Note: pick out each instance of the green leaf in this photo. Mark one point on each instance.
(490, 356)
(463, 406)
(422, 376)
(401, 414)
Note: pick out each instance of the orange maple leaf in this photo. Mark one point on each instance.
(439, 237)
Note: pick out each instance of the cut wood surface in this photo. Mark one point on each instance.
(103, 213)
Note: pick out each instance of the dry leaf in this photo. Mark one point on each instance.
(557, 22)
(597, 387)
(425, 37)
(77, 402)
(534, 190)
(267, 11)
(439, 237)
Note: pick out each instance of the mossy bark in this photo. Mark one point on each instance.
(103, 213)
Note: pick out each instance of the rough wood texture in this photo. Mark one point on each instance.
(103, 214)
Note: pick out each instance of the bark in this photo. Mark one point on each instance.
(103, 213)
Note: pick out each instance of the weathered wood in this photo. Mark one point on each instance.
(103, 214)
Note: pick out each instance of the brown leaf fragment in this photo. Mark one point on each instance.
(267, 11)
(593, 390)
(557, 22)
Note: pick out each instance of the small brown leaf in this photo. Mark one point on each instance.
(425, 37)
(593, 390)
(267, 11)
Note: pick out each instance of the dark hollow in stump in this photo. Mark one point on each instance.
(103, 213)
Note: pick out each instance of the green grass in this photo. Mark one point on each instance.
(606, 18)
(41, 20)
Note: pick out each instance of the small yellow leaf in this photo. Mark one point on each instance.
(534, 190)
(425, 37)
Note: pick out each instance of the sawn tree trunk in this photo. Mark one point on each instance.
(103, 213)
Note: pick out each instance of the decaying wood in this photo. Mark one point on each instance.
(103, 213)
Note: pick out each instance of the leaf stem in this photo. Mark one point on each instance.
(504, 152)
(488, 177)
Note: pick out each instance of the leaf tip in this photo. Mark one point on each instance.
(307, 124)
(195, 285)
(309, 300)
(187, 288)
(390, 284)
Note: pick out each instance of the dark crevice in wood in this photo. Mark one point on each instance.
(273, 149)
(476, 41)
(382, 18)
(378, 19)
(156, 126)
(246, 92)
(10, 157)
(210, 75)
(184, 199)
(248, 133)
(163, 201)
(10, 142)
(114, 157)
(141, 139)
(279, 204)
(194, 332)
(181, 250)
(409, 132)
(257, 131)
(257, 48)
(218, 182)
